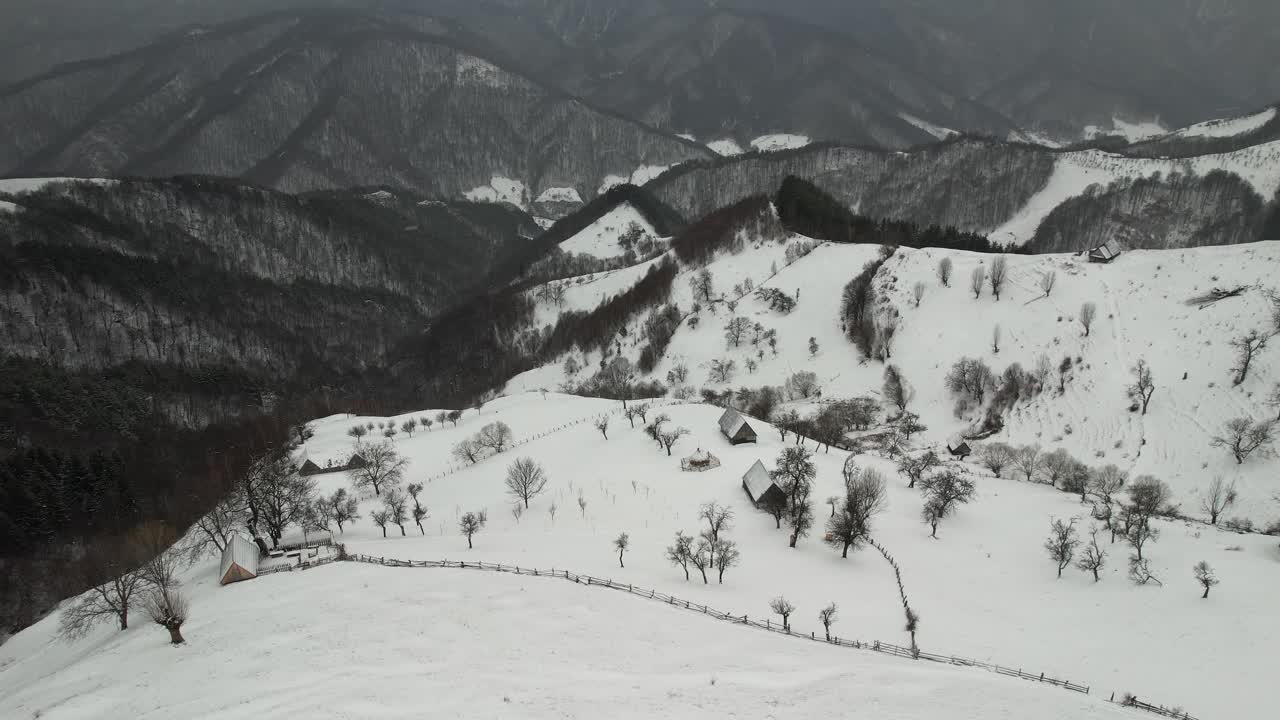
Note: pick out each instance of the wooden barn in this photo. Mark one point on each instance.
(239, 560)
(310, 468)
(958, 447)
(759, 486)
(357, 461)
(1105, 253)
(736, 428)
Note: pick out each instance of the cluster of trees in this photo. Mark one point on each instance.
(851, 516)
(597, 328)
(656, 429)
(867, 321)
(711, 550)
(777, 300)
(808, 210)
(492, 439)
(723, 230)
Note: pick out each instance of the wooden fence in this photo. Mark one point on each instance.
(766, 625)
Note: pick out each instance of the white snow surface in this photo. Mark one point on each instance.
(353, 640)
(1228, 127)
(16, 186)
(779, 141)
(1131, 131)
(560, 195)
(471, 70)
(6, 206)
(937, 131)
(727, 147)
(501, 190)
(600, 238)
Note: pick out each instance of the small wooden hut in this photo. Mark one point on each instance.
(310, 468)
(736, 428)
(958, 447)
(760, 486)
(239, 560)
(1105, 253)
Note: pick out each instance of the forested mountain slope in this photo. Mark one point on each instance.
(322, 100)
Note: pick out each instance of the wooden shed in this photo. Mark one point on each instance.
(958, 447)
(357, 461)
(239, 561)
(760, 486)
(310, 468)
(736, 428)
(1105, 253)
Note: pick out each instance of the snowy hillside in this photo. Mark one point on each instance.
(1142, 314)
(600, 239)
(985, 590)
(1229, 127)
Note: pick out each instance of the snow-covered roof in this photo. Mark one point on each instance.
(757, 480)
(955, 442)
(731, 421)
(242, 552)
(1106, 251)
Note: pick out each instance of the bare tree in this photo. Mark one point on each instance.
(582, 505)
(552, 512)
(977, 279)
(701, 556)
(781, 606)
(602, 424)
(916, 468)
(525, 480)
(397, 507)
(1204, 576)
(1093, 557)
(635, 411)
(995, 339)
(943, 492)
(1027, 460)
(833, 501)
(1247, 348)
(680, 553)
(1105, 482)
(1088, 312)
(1055, 466)
(496, 436)
(999, 274)
(895, 388)
(217, 526)
(1243, 437)
(670, 437)
(283, 498)
(1047, 281)
(827, 616)
(944, 271)
(343, 508)
(1140, 571)
(470, 524)
(454, 416)
(917, 291)
(1143, 385)
(380, 518)
(1218, 497)
(621, 543)
(776, 506)
(736, 329)
(719, 519)
(357, 432)
(996, 457)
(727, 556)
(865, 497)
(701, 284)
(1062, 543)
(517, 511)
(1140, 532)
(410, 426)
(383, 467)
(167, 607)
(721, 370)
(800, 518)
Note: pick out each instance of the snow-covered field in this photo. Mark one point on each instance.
(353, 641)
(1229, 127)
(779, 141)
(1131, 131)
(600, 238)
(727, 148)
(937, 131)
(15, 186)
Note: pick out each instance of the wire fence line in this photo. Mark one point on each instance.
(767, 625)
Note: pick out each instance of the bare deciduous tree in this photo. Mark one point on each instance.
(380, 518)
(943, 492)
(719, 519)
(944, 271)
(701, 556)
(996, 457)
(383, 467)
(1062, 543)
(995, 339)
(736, 329)
(781, 606)
(1243, 437)
(917, 291)
(1218, 497)
(1140, 571)
(621, 543)
(470, 524)
(1047, 281)
(916, 468)
(167, 607)
(343, 508)
(827, 616)
(218, 525)
(283, 497)
(1204, 576)
(496, 436)
(552, 512)
(776, 506)
(727, 556)
(1247, 348)
(669, 438)
(525, 480)
(1027, 460)
(602, 424)
(397, 507)
(680, 553)
(999, 274)
(410, 426)
(865, 496)
(517, 511)
(895, 388)
(1093, 557)
(582, 505)
(977, 279)
(1143, 385)
(1088, 312)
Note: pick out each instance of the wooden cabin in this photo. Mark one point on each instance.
(239, 560)
(1105, 253)
(959, 447)
(760, 486)
(736, 428)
